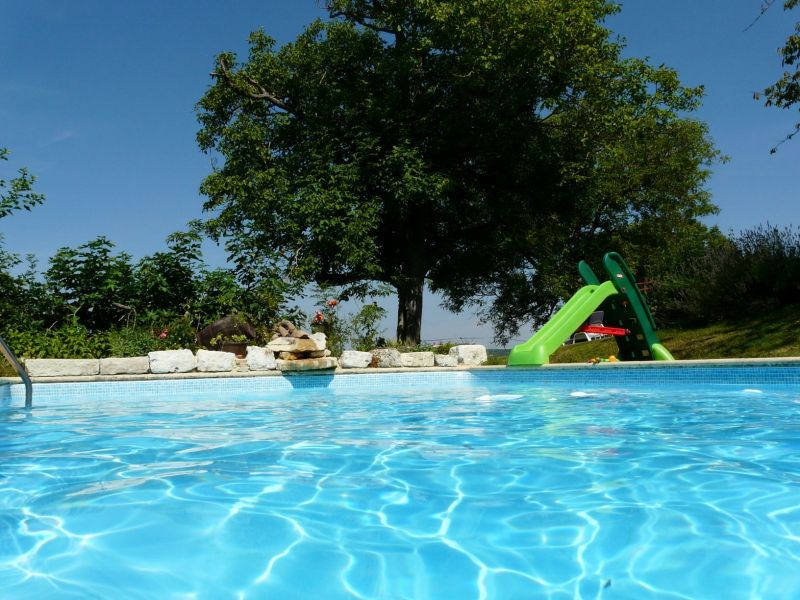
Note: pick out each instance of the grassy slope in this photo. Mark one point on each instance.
(773, 333)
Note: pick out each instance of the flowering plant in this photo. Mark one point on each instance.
(326, 320)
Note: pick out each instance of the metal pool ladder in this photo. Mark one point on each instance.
(12, 358)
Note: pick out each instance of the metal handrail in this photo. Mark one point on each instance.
(12, 358)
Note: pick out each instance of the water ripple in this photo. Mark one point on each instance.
(513, 492)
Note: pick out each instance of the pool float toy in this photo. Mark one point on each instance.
(598, 359)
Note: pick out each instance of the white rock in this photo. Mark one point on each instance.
(260, 359)
(172, 361)
(321, 341)
(445, 360)
(417, 359)
(129, 365)
(61, 367)
(211, 361)
(353, 359)
(387, 358)
(290, 344)
(469, 354)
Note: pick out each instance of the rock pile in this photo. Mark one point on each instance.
(298, 350)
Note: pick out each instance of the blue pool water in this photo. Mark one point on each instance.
(507, 490)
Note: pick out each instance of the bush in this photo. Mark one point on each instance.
(72, 340)
(326, 320)
(363, 327)
(132, 341)
(756, 270)
(175, 334)
(75, 341)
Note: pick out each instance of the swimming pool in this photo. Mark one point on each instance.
(527, 484)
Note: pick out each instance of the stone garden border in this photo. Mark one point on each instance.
(260, 361)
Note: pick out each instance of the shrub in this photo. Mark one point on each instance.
(176, 334)
(93, 282)
(364, 327)
(326, 320)
(754, 271)
(132, 341)
(72, 340)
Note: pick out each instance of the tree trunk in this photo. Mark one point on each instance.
(409, 311)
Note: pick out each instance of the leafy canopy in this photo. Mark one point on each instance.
(478, 147)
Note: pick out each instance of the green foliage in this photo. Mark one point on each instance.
(398, 140)
(71, 340)
(435, 348)
(92, 282)
(167, 282)
(175, 333)
(785, 93)
(158, 304)
(220, 339)
(444, 348)
(755, 271)
(138, 341)
(221, 292)
(364, 327)
(38, 307)
(326, 320)
(496, 360)
(217, 295)
(132, 341)
(17, 193)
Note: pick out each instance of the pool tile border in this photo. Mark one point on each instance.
(741, 373)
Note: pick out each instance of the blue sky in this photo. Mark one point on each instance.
(97, 99)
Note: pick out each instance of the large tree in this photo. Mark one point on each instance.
(480, 147)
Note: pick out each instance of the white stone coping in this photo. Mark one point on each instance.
(780, 361)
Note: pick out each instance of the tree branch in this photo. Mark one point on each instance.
(786, 139)
(361, 19)
(260, 92)
(764, 8)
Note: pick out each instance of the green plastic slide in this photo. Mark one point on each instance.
(623, 305)
(537, 350)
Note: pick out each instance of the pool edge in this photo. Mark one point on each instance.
(195, 375)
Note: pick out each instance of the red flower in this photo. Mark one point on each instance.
(318, 317)
(332, 302)
(163, 334)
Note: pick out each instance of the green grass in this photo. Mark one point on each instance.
(772, 333)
